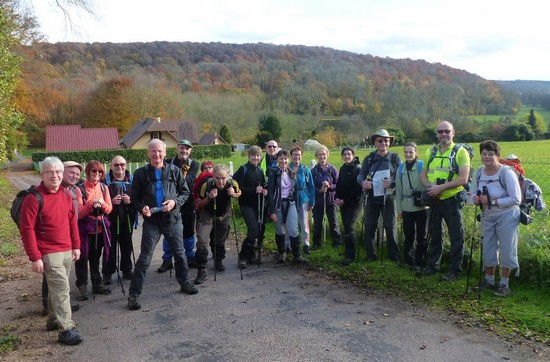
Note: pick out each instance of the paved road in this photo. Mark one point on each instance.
(276, 313)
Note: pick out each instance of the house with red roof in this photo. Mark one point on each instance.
(75, 138)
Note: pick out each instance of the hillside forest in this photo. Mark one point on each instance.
(313, 92)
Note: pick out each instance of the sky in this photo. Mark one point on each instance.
(497, 40)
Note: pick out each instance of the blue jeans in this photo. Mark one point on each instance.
(189, 220)
(153, 228)
(290, 225)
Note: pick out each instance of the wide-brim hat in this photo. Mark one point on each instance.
(73, 164)
(185, 142)
(381, 133)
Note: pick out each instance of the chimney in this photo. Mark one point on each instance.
(158, 119)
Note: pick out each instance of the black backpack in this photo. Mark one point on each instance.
(15, 210)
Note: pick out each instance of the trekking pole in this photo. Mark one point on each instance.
(215, 238)
(324, 222)
(235, 231)
(95, 249)
(106, 234)
(260, 218)
(480, 263)
(471, 252)
(362, 235)
(381, 228)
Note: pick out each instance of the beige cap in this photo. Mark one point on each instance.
(72, 164)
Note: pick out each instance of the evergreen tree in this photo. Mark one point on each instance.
(269, 129)
(226, 134)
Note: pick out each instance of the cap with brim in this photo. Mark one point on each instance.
(73, 164)
(185, 142)
(381, 133)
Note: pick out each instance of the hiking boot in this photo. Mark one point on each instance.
(253, 260)
(107, 279)
(128, 274)
(315, 247)
(242, 264)
(201, 276)
(83, 292)
(133, 303)
(450, 277)
(166, 265)
(100, 289)
(188, 288)
(218, 264)
(307, 250)
(347, 261)
(485, 285)
(282, 258)
(299, 260)
(503, 291)
(426, 272)
(52, 325)
(69, 337)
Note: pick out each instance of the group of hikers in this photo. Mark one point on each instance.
(92, 222)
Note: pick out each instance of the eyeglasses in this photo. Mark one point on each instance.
(382, 140)
(446, 131)
(119, 165)
(97, 171)
(53, 172)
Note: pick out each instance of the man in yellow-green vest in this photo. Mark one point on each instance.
(445, 176)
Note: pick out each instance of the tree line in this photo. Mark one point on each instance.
(313, 91)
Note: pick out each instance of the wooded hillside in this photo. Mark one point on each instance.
(107, 84)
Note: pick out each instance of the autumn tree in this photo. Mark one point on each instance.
(109, 106)
(328, 137)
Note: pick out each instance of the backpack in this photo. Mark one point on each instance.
(15, 210)
(531, 193)
(393, 159)
(85, 193)
(454, 164)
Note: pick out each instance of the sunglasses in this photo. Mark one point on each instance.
(444, 131)
(271, 146)
(381, 140)
(119, 164)
(97, 171)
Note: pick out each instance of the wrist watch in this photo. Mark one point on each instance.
(493, 202)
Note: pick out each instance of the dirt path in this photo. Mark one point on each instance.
(275, 313)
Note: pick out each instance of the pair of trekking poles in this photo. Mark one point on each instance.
(379, 229)
(216, 234)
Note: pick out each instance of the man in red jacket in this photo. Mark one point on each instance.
(51, 240)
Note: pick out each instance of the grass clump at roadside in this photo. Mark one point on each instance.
(9, 235)
(8, 342)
